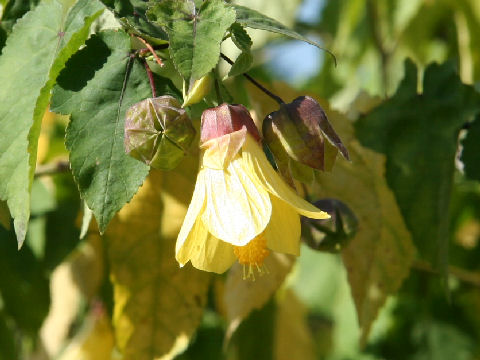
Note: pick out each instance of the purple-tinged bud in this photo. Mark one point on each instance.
(158, 132)
(226, 119)
(302, 127)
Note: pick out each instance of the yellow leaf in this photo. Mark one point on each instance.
(44, 138)
(292, 339)
(94, 341)
(242, 296)
(158, 305)
(378, 258)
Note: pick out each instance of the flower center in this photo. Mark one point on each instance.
(252, 256)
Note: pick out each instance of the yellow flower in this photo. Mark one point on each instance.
(240, 207)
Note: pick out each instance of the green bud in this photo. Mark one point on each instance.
(305, 134)
(158, 132)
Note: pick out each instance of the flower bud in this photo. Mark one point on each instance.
(158, 132)
(226, 119)
(302, 127)
(330, 235)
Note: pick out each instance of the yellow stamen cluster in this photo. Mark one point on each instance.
(253, 255)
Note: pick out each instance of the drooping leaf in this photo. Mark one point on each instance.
(242, 296)
(98, 85)
(132, 15)
(157, 304)
(418, 133)
(471, 151)
(240, 37)
(255, 20)
(35, 53)
(243, 41)
(194, 33)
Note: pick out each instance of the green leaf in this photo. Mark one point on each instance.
(418, 133)
(255, 20)
(242, 64)
(471, 151)
(13, 10)
(35, 53)
(98, 85)
(240, 37)
(132, 15)
(195, 33)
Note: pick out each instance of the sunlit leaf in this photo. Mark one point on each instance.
(35, 53)
(194, 33)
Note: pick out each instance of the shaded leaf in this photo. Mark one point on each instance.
(94, 341)
(107, 178)
(4, 215)
(418, 133)
(157, 304)
(255, 20)
(242, 296)
(254, 338)
(292, 338)
(471, 151)
(378, 258)
(194, 33)
(240, 37)
(35, 53)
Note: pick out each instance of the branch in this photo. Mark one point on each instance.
(277, 98)
(52, 168)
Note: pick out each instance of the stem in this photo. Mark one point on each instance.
(277, 98)
(217, 91)
(150, 78)
(150, 48)
(52, 168)
(463, 275)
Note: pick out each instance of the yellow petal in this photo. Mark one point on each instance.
(196, 204)
(205, 251)
(283, 230)
(219, 152)
(237, 206)
(255, 161)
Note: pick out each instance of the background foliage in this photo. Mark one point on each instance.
(397, 276)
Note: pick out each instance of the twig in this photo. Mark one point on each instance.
(150, 48)
(277, 98)
(469, 277)
(377, 37)
(151, 79)
(52, 168)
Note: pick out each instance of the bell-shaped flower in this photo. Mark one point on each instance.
(240, 208)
